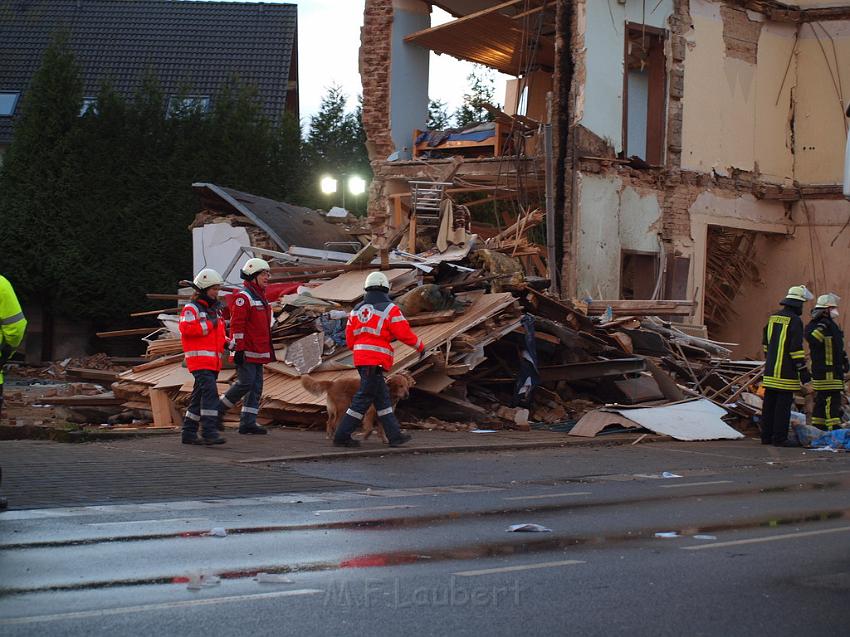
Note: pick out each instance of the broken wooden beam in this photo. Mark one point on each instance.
(642, 307)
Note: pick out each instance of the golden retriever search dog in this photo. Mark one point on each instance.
(340, 392)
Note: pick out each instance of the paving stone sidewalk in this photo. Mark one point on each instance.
(156, 469)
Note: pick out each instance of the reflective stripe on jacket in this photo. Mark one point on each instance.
(250, 324)
(782, 341)
(202, 335)
(829, 360)
(13, 324)
(372, 326)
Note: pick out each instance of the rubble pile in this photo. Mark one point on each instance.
(500, 351)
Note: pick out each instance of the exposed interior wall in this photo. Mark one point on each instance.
(735, 115)
(773, 106)
(612, 216)
(604, 47)
(819, 122)
(408, 74)
(788, 260)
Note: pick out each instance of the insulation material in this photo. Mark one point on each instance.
(215, 244)
(696, 420)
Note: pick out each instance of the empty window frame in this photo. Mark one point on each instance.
(638, 274)
(8, 102)
(188, 103)
(644, 93)
(89, 104)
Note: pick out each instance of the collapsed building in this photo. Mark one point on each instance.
(685, 149)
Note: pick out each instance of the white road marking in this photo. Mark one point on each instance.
(134, 522)
(770, 538)
(820, 473)
(546, 495)
(383, 508)
(85, 614)
(518, 567)
(175, 507)
(694, 484)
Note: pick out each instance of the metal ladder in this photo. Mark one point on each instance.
(425, 200)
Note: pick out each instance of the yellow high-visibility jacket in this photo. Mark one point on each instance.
(12, 321)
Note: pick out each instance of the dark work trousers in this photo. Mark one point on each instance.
(373, 391)
(776, 415)
(249, 384)
(827, 412)
(203, 406)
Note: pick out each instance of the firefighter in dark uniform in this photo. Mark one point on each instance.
(829, 362)
(785, 365)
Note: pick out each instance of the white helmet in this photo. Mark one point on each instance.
(799, 293)
(827, 300)
(253, 267)
(377, 280)
(207, 278)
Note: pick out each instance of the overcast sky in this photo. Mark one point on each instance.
(328, 44)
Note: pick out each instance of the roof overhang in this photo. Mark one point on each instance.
(501, 37)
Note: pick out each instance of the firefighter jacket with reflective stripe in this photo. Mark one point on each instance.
(251, 324)
(12, 321)
(783, 348)
(826, 347)
(372, 326)
(202, 335)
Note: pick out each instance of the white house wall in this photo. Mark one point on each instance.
(612, 217)
(603, 23)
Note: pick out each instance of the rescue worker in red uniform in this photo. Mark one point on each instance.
(829, 362)
(372, 326)
(251, 340)
(203, 336)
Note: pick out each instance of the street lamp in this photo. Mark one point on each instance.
(328, 185)
(356, 185)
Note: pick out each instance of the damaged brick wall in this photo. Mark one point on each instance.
(375, 60)
(740, 34)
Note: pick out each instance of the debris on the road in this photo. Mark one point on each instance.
(217, 531)
(271, 578)
(527, 528)
(667, 534)
(197, 581)
(668, 474)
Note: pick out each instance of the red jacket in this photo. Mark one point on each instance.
(202, 335)
(371, 328)
(251, 324)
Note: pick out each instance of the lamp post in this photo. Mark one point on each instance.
(356, 185)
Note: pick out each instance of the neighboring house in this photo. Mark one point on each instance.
(732, 109)
(193, 48)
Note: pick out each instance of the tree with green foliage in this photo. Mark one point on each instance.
(336, 146)
(36, 180)
(482, 89)
(438, 115)
(95, 207)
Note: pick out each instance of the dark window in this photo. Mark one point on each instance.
(8, 101)
(644, 91)
(89, 104)
(638, 274)
(189, 103)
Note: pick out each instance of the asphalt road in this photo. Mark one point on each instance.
(754, 540)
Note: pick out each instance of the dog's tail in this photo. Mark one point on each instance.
(317, 387)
